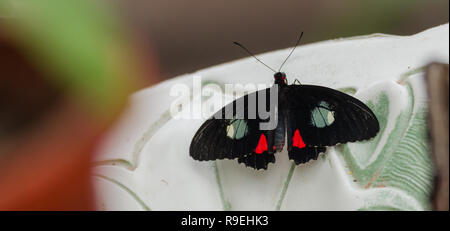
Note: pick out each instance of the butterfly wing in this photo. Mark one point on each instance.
(325, 117)
(299, 151)
(236, 136)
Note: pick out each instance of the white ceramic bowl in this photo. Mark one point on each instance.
(144, 162)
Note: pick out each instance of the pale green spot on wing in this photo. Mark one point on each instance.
(321, 116)
(237, 129)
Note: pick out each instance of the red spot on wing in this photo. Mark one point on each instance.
(262, 145)
(297, 140)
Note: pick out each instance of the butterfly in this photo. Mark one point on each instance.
(310, 117)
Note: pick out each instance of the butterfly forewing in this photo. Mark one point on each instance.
(326, 117)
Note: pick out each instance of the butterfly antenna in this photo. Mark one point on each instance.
(238, 44)
(298, 41)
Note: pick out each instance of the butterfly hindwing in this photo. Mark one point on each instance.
(303, 155)
(263, 152)
(299, 151)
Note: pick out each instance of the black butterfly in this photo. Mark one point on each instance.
(310, 117)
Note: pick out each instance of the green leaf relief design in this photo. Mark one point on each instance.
(403, 162)
(410, 168)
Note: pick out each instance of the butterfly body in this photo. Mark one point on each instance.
(309, 117)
